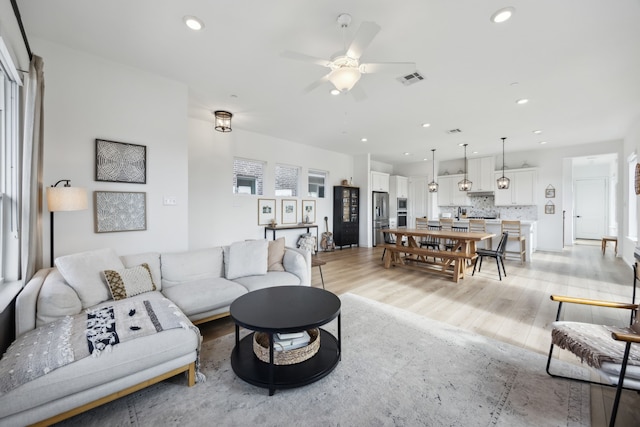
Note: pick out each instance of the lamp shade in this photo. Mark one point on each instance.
(344, 78)
(223, 121)
(66, 199)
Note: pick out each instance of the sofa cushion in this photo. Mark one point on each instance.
(129, 281)
(272, 278)
(83, 272)
(181, 267)
(152, 259)
(247, 258)
(275, 255)
(56, 299)
(202, 295)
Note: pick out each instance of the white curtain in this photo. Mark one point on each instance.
(31, 180)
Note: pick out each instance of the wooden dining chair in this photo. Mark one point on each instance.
(498, 254)
(480, 226)
(428, 241)
(514, 229)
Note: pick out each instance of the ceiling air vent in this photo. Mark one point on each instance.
(454, 131)
(410, 79)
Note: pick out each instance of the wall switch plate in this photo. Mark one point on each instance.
(169, 201)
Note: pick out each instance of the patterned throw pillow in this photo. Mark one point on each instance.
(130, 281)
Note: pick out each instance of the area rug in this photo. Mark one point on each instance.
(397, 369)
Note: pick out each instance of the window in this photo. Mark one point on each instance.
(247, 176)
(316, 183)
(9, 168)
(287, 180)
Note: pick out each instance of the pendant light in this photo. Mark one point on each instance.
(433, 185)
(503, 181)
(465, 184)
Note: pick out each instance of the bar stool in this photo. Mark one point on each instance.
(316, 262)
(514, 229)
(480, 226)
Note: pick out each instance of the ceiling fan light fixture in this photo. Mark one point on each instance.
(344, 78)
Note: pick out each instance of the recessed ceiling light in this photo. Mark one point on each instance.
(193, 23)
(543, 142)
(426, 125)
(335, 92)
(425, 159)
(461, 144)
(537, 132)
(406, 153)
(502, 15)
(522, 101)
(364, 139)
(474, 152)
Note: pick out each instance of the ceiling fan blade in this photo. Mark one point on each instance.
(306, 58)
(358, 93)
(317, 83)
(388, 67)
(362, 39)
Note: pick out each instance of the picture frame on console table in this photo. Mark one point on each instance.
(266, 211)
(119, 211)
(121, 162)
(309, 211)
(289, 211)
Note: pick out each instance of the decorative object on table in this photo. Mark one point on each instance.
(550, 192)
(287, 356)
(327, 243)
(637, 184)
(120, 211)
(273, 223)
(308, 211)
(503, 181)
(266, 211)
(307, 242)
(289, 211)
(465, 184)
(550, 208)
(345, 182)
(433, 185)
(121, 162)
(64, 199)
(222, 121)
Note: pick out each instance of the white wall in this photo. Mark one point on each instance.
(86, 98)
(219, 217)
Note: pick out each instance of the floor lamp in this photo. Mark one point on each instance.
(63, 199)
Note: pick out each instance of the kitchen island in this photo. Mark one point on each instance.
(494, 226)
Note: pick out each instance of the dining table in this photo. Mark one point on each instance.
(408, 252)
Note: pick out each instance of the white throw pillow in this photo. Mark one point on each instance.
(129, 282)
(83, 272)
(247, 259)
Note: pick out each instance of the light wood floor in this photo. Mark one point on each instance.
(516, 310)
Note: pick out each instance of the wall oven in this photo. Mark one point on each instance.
(402, 219)
(402, 204)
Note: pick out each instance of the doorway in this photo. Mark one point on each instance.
(590, 219)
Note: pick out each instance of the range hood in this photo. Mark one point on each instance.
(480, 193)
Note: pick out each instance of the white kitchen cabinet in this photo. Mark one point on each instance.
(399, 186)
(480, 173)
(522, 188)
(448, 193)
(379, 181)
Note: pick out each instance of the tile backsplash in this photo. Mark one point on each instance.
(484, 206)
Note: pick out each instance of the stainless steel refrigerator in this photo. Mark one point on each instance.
(380, 216)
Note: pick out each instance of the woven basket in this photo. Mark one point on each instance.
(286, 357)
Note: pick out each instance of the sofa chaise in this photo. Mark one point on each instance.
(99, 326)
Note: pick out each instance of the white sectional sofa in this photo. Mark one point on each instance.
(190, 288)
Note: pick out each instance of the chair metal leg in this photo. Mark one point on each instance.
(503, 269)
(383, 252)
(322, 278)
(623, 369)
(474, 265)
(498, 265)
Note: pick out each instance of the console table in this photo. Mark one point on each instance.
(292, 227)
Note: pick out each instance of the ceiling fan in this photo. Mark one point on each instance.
(346, 68)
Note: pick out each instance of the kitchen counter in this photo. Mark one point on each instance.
(494, 226)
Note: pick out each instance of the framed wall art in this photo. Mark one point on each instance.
(289, 211)
(121, 162)
(550, 208)
(119, 211)
(309, 211)
(266, 211)
(550, 192)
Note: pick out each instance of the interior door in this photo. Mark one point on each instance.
(590, 220)
(418, 205)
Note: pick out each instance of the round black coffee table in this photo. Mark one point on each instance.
(285, 309)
